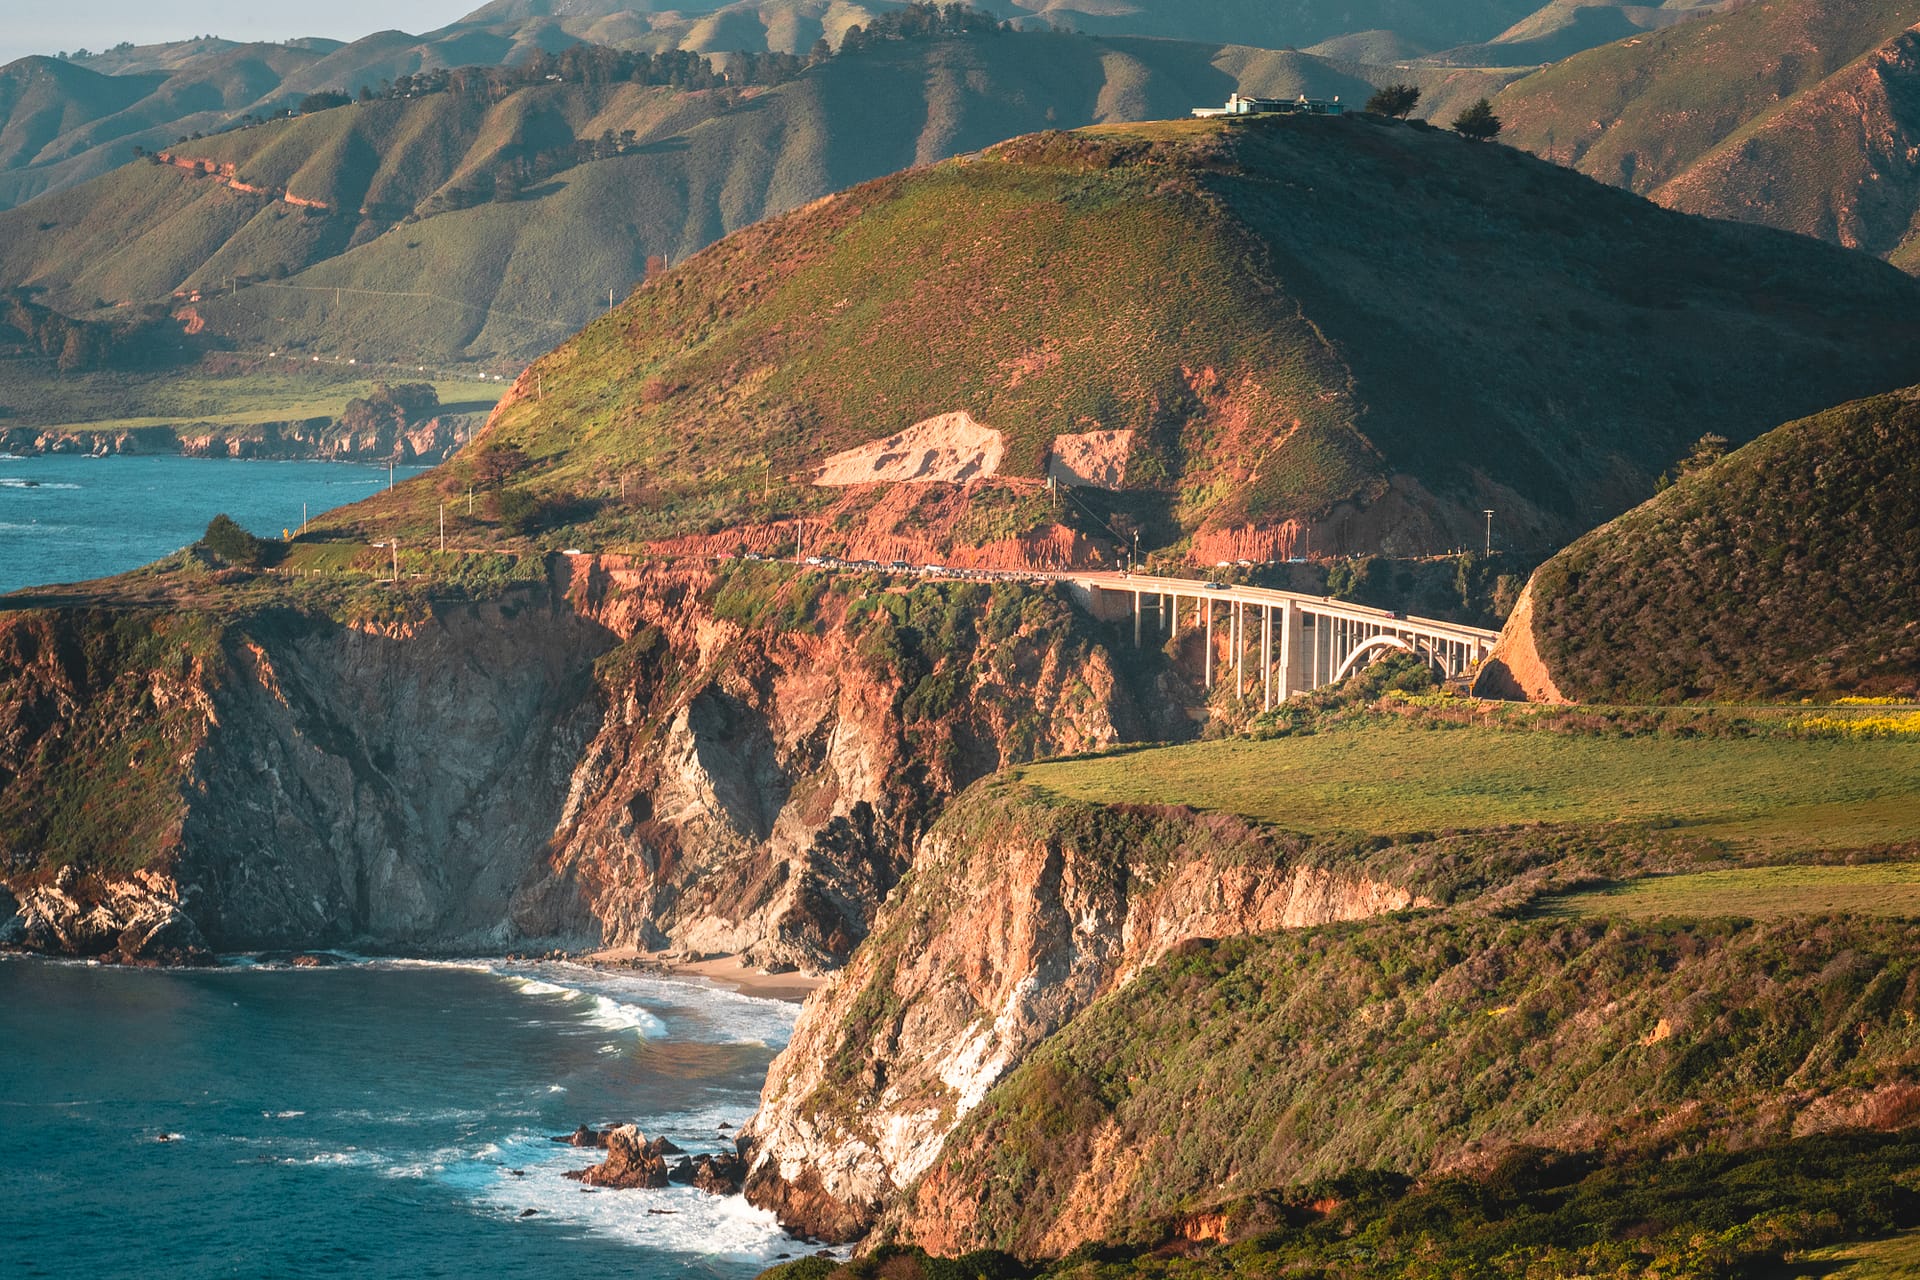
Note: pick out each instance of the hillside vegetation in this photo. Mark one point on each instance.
(1798, 114)
(1786, 569)
(1393, 779)
(1690, 1073)
(64, 121)
(1335, 320)
(492, 222)
(1303, 1066)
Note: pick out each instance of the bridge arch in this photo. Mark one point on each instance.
(1386, 640)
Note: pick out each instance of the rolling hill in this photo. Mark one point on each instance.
(1345, 321)
(372, 230)
(1799, 114)
(64, 122)
(1784, 570)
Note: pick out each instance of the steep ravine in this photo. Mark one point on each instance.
(1018, 914)
(627, 755)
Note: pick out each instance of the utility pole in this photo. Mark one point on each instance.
(1488, 512)
(443, 528)
(395, 544)
(303, 519)
(609, 301)
(389, 475)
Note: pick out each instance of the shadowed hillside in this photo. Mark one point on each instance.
(1787, 569)
(1800, 114)
(1341, 321)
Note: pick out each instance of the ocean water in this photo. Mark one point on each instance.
(370, 1119)
(67, 517)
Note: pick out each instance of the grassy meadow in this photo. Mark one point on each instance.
(277, 391)
(1755, 893)
(1764, 792)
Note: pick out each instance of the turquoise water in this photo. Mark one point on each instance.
(373, 1119)
(67, 517)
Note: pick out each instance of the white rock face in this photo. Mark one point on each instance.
(1097, 459)
(1004, 931)
(951, 448)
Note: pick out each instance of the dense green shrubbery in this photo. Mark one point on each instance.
(1534, 1213)
(231, 544)
(1397, 1043)
(1785, 569)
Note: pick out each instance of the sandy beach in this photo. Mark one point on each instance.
(727, 971)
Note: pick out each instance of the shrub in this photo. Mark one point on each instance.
(324, 100)
(231, 544)
(499, 463)
(1396, 100)
(1478, 123)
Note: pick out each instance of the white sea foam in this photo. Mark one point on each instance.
(690, 1009)
(674, 1219)
(22, 482)
(601, 1008)
(352, 1158)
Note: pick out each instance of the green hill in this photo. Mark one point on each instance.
(64, 122)
(1342, 321)
(1784, 570)
(416, 256)
(1799, 114)
(1487, 1076)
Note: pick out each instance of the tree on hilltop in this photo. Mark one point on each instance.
(1478, 123)
(1395, 100)
(231, 544)
(322, 100)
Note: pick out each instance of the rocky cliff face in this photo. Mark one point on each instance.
(1018, 914)
(757, 789)
(323, 439)
(637, 756)
(1515, 670)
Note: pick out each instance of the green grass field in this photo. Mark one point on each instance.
(1390, 779)
(276, 392)
(1895, 1258)
(1757, 893)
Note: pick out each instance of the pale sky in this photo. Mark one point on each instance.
(48, 26)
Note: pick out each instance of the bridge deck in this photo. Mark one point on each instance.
(1320, 640)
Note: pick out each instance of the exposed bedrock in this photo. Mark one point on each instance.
(604, 759)
(1018, 914)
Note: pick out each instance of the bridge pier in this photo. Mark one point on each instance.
(1319, 639)
(1209, 607)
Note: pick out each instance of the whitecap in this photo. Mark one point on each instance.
(352, 1158)
(675, 1219)
(690, 1008)
(601, 1010)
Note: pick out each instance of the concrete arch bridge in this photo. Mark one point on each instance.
(1286, 642)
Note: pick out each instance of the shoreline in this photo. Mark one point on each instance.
(726, 971)
(722, 971)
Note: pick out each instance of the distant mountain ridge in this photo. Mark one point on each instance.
(374, 229)
(62, 123)
(1797, 114)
